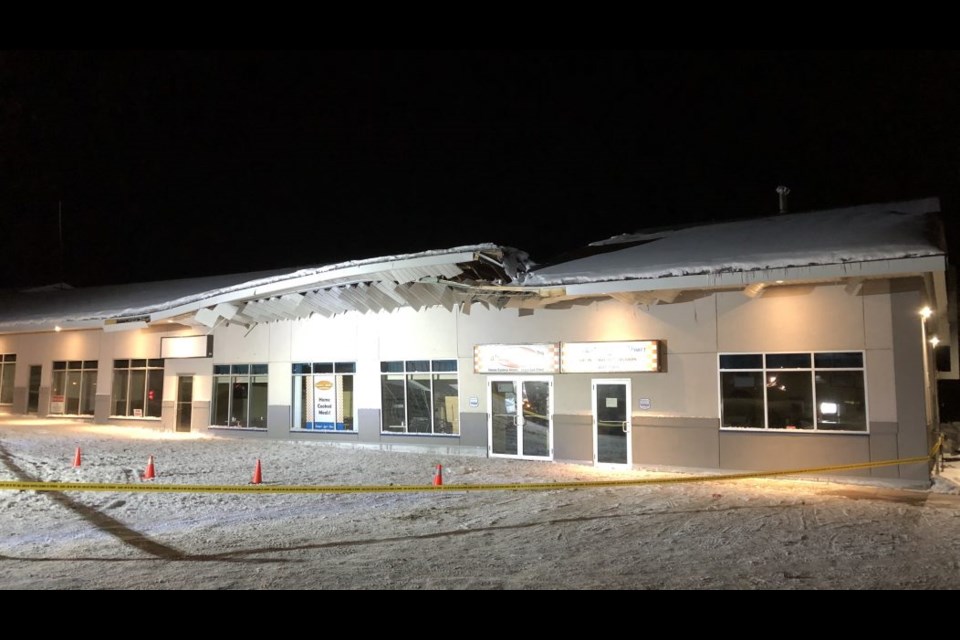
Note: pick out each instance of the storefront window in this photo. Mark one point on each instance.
(240, 396)
(137, 388)
(420, 396)
(793, 391)
(323, 396)
(74, 388)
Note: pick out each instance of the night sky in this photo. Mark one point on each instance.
(176, 164)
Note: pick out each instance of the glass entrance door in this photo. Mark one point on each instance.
(521, 417)
(33, 388)
(611, 422)
(184, 402)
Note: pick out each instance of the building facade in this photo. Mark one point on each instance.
(615, 357)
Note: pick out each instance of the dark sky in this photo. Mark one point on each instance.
(171, 164)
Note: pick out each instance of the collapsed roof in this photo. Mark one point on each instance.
(848, 245)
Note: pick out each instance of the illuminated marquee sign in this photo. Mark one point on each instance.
(516, 358)
(610, 357)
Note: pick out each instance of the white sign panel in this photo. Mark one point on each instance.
(516, 358)
(186, 346)
(610, 357)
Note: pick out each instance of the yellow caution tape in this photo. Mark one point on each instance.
(261, 488)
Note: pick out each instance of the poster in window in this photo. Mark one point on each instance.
(324, 402)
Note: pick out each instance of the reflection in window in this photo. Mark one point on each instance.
(137, 388)
(240, 396)
(420, 396)
(74, 387)
(793, 391)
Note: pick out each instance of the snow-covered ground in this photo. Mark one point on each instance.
(783, 533)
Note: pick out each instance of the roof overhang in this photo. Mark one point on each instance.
(451, 280)
(899, 267)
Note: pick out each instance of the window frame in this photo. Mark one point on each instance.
(249, 375)
(409, 370)
(149, 365)
(340, 371)
(812, 369)
(86, 395)
(8, 373)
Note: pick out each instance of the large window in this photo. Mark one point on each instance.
(240, 396)
(419, 396)
(138, 388)
(323, 396)
(8, 367)
(804, 391)
(74, 390)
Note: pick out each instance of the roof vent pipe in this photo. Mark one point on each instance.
(783, 192)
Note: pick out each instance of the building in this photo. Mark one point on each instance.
(794, 341)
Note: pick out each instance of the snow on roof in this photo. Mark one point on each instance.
(46, 305)
(864, 233)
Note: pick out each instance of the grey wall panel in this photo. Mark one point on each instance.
(573, 438)
(912, 434)
(877, 321)
(675, 422)
(337, 437)
(368, 425)
(883, 446)
(752, 451)
(412, 441)
(676, 442)
(883, 428)
(19, 400)
(473, 429)
(881, 385)
(101, 409)
(168, 415)
(278, 420)
(200, 415)
(43, 407)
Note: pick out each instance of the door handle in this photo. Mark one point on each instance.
(624, 426)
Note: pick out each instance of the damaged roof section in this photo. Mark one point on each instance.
(661, 267)
(418, 280)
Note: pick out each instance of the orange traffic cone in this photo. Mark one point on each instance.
(257, 474)
(150, 473)
(76, 458)
(438, 476)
